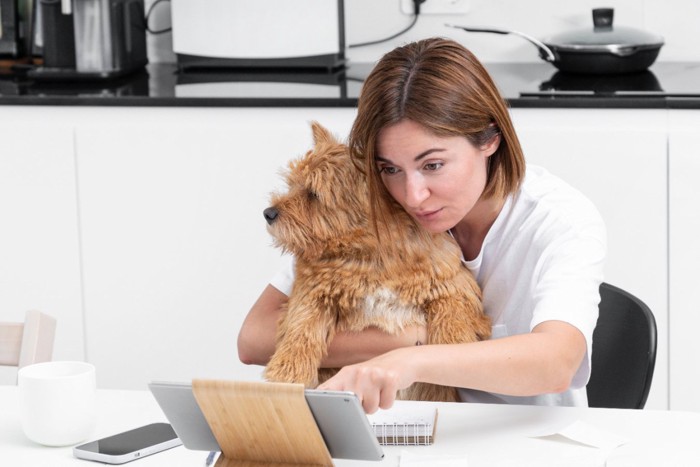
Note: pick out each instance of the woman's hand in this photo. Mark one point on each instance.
(540, 362)
(376, 381)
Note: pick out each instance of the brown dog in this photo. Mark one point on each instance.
(343, 282)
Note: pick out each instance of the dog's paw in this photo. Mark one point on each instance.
(284, 371)
(453, 321)
(429, 392)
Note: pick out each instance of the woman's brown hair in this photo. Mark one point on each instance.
(442, 86)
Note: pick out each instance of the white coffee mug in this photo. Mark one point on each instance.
(57, 402)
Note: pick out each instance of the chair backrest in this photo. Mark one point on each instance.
(22, 344)
(624, 351)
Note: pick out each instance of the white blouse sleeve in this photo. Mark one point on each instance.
(283, 280)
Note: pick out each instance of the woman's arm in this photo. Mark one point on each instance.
(256, 339)
(543, 361)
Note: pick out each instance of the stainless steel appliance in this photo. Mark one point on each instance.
(89, 39)
(10, 30)
(258, 34)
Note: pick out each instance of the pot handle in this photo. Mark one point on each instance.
(545, 52)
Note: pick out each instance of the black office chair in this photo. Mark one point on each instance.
(624, 351)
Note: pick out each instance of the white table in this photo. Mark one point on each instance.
(487, 435)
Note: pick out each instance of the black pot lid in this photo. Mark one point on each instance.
(604, 37)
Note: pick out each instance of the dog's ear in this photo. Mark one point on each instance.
(321, 134)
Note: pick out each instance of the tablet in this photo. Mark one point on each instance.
(344, 425)
(177, 402)
(339, 415)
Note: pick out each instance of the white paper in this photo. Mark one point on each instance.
(589, 435)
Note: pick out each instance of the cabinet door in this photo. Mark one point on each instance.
(618, 158)
(684, 251)
(39, 248)
(175, 244)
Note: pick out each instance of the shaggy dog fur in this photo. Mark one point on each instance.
(345, 282)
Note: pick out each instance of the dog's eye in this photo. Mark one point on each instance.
(312, 195)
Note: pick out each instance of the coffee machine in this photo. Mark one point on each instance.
(89, 39)
(11, 44)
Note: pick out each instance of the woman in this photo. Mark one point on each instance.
(435, 138)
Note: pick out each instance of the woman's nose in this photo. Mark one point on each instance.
(416, 191)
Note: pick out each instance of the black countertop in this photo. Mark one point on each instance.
(534, 85)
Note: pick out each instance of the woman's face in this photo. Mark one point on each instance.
(437, 180)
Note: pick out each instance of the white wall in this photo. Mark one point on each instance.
(678, 21)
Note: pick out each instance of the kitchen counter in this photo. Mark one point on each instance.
(524, 85)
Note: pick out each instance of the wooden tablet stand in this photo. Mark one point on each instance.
(261, 424)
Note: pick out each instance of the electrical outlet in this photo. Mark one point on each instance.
(437, 7)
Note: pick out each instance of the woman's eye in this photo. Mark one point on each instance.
(432, 166)
(389, 170)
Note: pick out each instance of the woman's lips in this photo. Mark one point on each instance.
(427, 215)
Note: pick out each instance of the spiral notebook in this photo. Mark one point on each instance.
(405, 424)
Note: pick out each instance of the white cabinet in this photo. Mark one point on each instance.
(39, 242)
(684, 252)
(618, 158)
(175, 247)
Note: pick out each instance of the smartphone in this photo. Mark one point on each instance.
(129, 445)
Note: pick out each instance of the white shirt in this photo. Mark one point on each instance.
(541, 260)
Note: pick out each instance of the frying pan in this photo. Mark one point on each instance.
(602, 50)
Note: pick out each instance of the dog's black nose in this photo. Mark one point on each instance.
(270, 215)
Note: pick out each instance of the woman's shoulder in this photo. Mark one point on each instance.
(547, 190)
(546, 199)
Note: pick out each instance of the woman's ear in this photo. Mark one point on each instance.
(490, 147)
